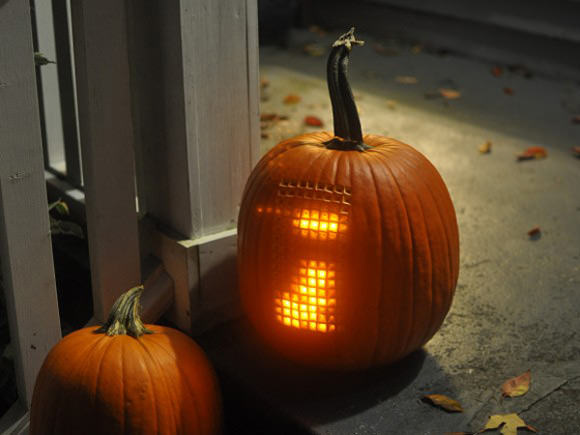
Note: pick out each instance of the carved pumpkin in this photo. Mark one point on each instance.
(348, 247)
(126, 378)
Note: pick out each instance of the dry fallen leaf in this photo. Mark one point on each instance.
(313, 121)
(508, 91)
(449, 94)
(265, 135)
(576, 151)
(576, 119)
(497, 71)
(533, 233)
(391, 104)
(407, 80)
(264, 83)
(444, 402)
(458, 433)
(485, 148)
(536, 152)
(292, 99)
(519, 385)
(508, 424)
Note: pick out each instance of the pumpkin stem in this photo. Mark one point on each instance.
(347, 129)
(124, 316)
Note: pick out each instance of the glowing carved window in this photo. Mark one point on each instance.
(311, 300)
(318, 224)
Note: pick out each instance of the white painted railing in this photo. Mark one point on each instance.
(150, 100)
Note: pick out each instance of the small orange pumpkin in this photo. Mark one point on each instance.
(126, 378)
(348, 247)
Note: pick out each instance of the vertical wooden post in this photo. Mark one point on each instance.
(25, 246)
(206, 136)
(195, 92)
(106, 135)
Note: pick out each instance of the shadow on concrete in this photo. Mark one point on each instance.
(269, 394)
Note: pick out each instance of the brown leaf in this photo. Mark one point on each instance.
(449, 94)
(576, 151)
(508, 424)
(444, 402)
(407, 80)
(391, 104)
(508, 91)
(534, 232)
(497, 71)
(292, 99)
(519, 385)
(264, 83)
(575, 119)
(458, 433)
(313, 121)
(485, 148)
(535, 152)
(265, 135)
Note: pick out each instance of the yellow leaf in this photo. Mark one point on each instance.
(450, 94)
(292, 99)
(517, 386)
(444, 402)
(508, 424)
(485, 148)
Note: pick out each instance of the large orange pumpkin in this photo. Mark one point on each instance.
(348, 248)
(126, 378)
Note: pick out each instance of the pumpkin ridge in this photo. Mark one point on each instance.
(151, 381)
(167, 389)
(386, 294)
(381, 241)
(410, 244)
(414, 341)
(99, 371)
(192, 393)
(84, 364)
(450, 284)
(420, 202)
(56, 361)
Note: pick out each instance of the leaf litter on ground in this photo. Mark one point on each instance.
(313, 121)
(444, 402)
(519, 385)
(292, 99)
(485, 148)
(535, 152)
(508, 424)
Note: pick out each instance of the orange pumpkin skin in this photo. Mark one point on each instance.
(396, 260)
(95, 384)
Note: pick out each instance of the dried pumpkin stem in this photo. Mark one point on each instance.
(347, 129)
(124, 316)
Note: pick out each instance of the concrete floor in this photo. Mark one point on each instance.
(517, 303)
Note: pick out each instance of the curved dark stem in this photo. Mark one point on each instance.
(347, 128)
